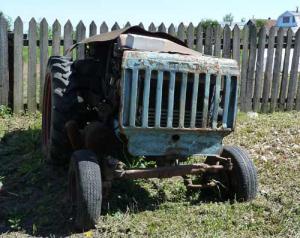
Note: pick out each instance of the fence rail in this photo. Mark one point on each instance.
(268, 58)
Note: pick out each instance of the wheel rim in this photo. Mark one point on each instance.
(46, 121)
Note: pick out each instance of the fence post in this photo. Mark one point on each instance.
(31, 80)
(190, 36)
(80, 35)
(227, 42)
(141, 25)
(218, 36)
(93, 29)
(4, 72)
(103, 28)
(162, 28)
(181, 32)
(208, 40)
(268, 71)
(276, 70)
(56, 34)
(236, 44)
(152, 27)
(199, 38)
(18, 67)
(43, 58)
(251, 68)
(285, 73)
(244, 68)
(127, 24)
(171, 30)
(259, 68)
(294, 73)
(68, 36)
(115, 27)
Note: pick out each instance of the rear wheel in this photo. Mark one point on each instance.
(57, 110)
(240, 183)
(85, 188)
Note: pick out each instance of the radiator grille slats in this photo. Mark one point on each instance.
(171, 100)
(182, 100)
(158, 98)
(146, 95)
(155, 98)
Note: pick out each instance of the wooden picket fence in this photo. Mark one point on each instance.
(263, 88)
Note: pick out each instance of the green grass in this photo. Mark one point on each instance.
(34, 200)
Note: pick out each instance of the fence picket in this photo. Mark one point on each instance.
(236, 44)
(80, 35)
(259, 69)
(199, 38)
(208, 41)
(226, 42)
(141, 25)
(276, 70)
(115, 27)
(68, 36)
(285, 73)
(190, 36)
(93, 29)
(217, 35)
(4, 72)
(103, 28)
(268, 71)
(293, 74)
(18, 66)
(181, 32)
(127, 24)
(171, 30)
(162, 28)
(152, 27)
(244, 68)
(31, 79)
(251, 68)
(43, 58)
(56, 34)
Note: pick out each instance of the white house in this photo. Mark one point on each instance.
(289, 19)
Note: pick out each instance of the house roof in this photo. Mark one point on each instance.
(297, 18)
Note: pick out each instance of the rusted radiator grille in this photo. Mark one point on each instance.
(163, 99)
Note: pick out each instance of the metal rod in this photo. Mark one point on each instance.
(133, 102)
(216, 101)
(226, 102)
(167, 172)
(171, 99)
(206, 101)
(158, 98)
(182, 100)
(146, 95)
(194, 100)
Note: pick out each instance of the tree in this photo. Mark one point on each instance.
(209, 22)
(228, 18)
(260, 22)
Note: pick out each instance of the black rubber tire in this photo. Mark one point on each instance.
(85, 189)
(57, 148)
(241, 182)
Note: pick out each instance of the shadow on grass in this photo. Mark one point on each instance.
(34, 198)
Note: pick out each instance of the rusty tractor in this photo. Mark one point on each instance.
(141, 94)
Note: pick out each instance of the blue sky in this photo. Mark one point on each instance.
(136, 11)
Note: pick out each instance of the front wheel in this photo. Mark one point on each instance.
(85, 188)
(240, 183)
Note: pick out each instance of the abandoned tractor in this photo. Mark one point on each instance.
(140, 94)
